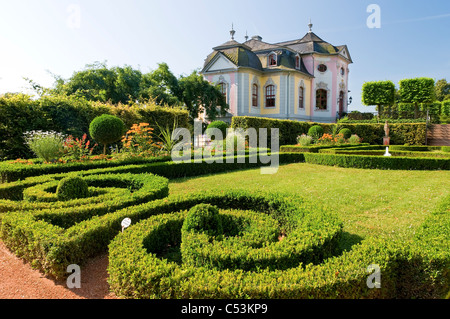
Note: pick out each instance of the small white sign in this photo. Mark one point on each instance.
(126, 223)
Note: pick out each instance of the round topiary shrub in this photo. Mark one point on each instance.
(107, 129)
(220, 125)
(203, 218)
(73, 187)
(346, 133)
(315, 132)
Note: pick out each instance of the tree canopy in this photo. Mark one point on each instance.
(126, 85)
(442, 88)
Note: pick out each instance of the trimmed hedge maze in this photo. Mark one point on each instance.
(235, 264)
(221, 244)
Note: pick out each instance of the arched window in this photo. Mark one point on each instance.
(273, 59)
(300, 97)
(223, 90)
(297, 62)
(321, 99)
(270, 96)
(255, 95)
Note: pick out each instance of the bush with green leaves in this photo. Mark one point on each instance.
(107, 129)
(354, 139)
(304, 140)
(48, 145)
(72, 187)
(316, 132)
(346, 132)
(203, 218)
(214, 126)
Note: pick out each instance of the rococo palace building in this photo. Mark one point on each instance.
(303, 80)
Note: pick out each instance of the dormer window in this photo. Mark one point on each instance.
(272, 59)
(297, 62)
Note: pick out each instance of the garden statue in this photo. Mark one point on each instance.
(386, 139)
(386, 129)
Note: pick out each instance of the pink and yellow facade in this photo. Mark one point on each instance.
(305, 79)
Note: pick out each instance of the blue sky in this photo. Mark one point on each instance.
(40, 37)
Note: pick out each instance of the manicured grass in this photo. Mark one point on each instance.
(371, 203)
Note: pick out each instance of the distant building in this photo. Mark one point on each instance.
(304, 80)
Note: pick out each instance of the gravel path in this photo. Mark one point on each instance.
(19, 281)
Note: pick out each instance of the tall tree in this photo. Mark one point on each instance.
(416, 91)
(442, 89)
(200, 96)
(162, 86)
(379, 93)
(97, 82)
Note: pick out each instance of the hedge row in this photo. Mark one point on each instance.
(71, 116)
(416, 269)
(378, 162)
(108, 192)
(12, 171)
(400, 133)
(382, 152)
(316, 148)
(157, 166)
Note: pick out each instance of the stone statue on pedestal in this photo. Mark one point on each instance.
(386, 139)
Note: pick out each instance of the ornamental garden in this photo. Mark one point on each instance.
(336, 209)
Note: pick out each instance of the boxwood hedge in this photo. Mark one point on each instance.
(413, 269)
(378, 162)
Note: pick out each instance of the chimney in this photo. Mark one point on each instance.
(257, 38)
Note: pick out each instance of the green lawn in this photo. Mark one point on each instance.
(383, 203)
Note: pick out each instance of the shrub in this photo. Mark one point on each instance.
(347, 133)
(107, 129)
(401, 133)
(316, 132)
(354, 139)
(70, 115)
(139, 140)
(72, 188)
(220, 125)
(445, 148)
(78, 148)
(47, 146)
(203, 218)
(304, 140)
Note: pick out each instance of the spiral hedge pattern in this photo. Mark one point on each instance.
(270, 245)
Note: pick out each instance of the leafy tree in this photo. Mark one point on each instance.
(99, 83)
(442, 89)
(107, 129)
(162, 86)
(416, 91)
(200, 96)
(379, 93)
